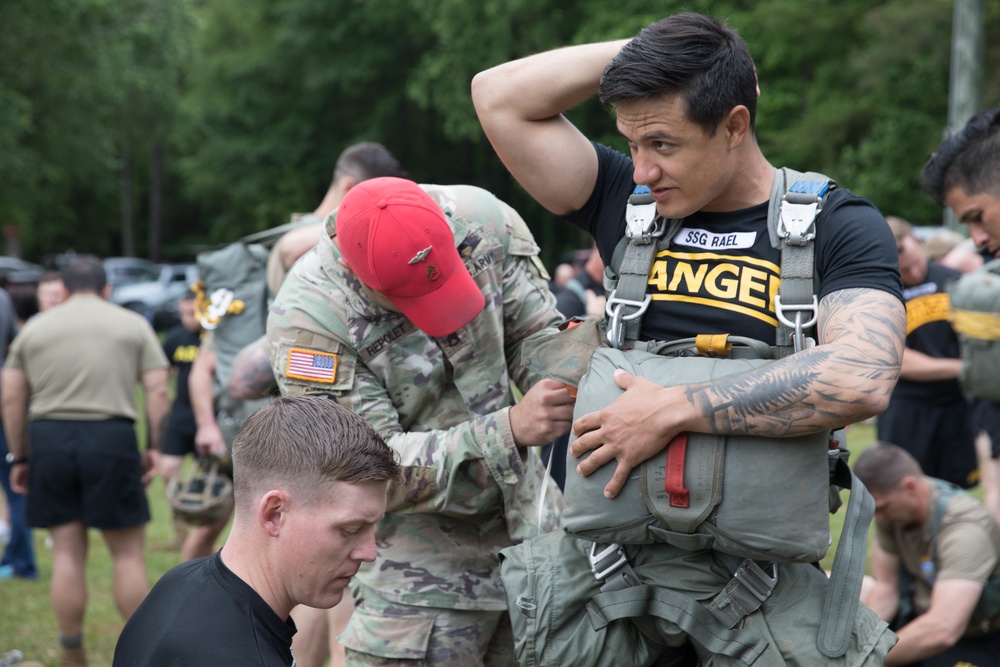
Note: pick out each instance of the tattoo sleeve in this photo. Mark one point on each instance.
(846, 378)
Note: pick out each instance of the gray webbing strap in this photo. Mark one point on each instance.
(745, 593)
(844, 591)
(627, 299)
(683, 611)
(609, 565)
(796, 200)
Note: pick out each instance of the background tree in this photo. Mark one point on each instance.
(248, 103)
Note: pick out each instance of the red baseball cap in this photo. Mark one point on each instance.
(397, 240)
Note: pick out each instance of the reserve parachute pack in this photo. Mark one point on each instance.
(975, 316)
(232, 300)
(704, 494)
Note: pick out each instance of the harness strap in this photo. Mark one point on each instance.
(683, 611)
(844, 591)
(796, 200)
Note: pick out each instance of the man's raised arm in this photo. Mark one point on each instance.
(520, 105)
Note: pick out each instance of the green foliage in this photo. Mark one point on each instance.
(84, 82)
(252, 101)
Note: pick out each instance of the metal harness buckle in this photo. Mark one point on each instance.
(617, 318)
(799, 208)
(756, 580)
(641, 222)
(799, 339)
(612, 551)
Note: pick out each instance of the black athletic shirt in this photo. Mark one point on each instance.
(181, 347)
(200, 614)
(720, 273)
(929, 331)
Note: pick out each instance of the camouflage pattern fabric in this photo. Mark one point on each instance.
(385, 634)
(441, 403)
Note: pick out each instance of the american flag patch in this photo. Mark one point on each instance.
(311, 365)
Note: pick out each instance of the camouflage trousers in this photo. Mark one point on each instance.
(384, 633)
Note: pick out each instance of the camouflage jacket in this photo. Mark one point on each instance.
(441, 403)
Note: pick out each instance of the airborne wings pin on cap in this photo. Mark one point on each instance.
(397, 241)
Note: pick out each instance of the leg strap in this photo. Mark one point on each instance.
(683, 611)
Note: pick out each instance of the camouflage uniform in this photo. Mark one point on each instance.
(442, 404)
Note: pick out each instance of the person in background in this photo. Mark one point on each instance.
(928, 415)
(18, 552)
(69, 412)
(181, 347)
(937, 551)
(50, 291)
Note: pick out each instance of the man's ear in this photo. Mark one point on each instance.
(737, 125)
(271, 512)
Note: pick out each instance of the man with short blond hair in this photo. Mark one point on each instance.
(310, 480)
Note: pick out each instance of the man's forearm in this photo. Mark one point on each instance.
(823, 387)
(15, 411)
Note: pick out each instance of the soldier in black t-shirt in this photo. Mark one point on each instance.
(928, 415)
(181, 347)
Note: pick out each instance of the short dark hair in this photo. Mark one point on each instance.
(882, 467)
(306, 442)
(84, 273)
(969, 159)
(368, 159)
(696, 56)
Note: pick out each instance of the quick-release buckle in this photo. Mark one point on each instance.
(612, 551)
(799, 339)
(756, 580)
(617, 318)
(641, 222)
(799, 208)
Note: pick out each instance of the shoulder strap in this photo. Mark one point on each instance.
(795, 202)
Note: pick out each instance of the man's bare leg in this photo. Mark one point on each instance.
(130, 583)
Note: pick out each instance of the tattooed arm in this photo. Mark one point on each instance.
(251, 375)
(845, 379)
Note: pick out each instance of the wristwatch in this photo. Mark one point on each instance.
(15, 460)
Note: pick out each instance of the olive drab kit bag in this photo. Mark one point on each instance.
(232, 298)
(588, 595)
(975, 316)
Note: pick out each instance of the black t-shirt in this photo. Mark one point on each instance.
(181, 347)
(720, 273)
(201, 614)
(929, 331)
(569, 301)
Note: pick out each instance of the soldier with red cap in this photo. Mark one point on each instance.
(412, 311)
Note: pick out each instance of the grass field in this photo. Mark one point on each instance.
(27, 622)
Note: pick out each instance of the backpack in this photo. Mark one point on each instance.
(975, 316)
(232, 300)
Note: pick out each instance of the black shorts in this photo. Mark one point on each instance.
(940, 437)
(178, 439)
(85, 470)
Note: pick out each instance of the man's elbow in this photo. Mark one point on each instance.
(485, 97)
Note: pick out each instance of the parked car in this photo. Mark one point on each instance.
(16, 271)
(123, 271)
(156, 299)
